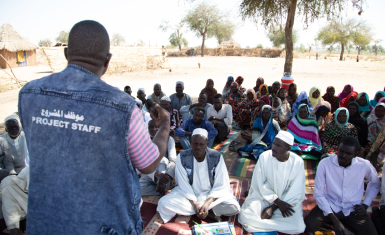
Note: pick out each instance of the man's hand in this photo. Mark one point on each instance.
(161, 189)
(267, 213)
(360, 209)
(211, 119)
(339, 228)
(195, 206)
(204, 211)
(160, 116)
(285, 208)
(165, 179)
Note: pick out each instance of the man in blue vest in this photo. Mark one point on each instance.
(203, 184)
(85, 140)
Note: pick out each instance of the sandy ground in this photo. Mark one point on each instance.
(366, 76)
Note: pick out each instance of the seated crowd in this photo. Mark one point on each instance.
(280, 128)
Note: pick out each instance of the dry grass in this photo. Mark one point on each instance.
(6, 83)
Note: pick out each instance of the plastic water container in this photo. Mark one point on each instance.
(286, 80)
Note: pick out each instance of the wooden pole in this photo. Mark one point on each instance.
(49, 62)
(17, 81)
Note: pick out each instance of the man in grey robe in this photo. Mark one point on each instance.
(187, 111)
(180, 98)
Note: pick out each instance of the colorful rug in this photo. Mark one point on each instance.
(223, 146)
(244, 167)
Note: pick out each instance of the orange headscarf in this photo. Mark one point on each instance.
(345, 101)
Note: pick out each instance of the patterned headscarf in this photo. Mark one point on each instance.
(266, 99)
(239, 79)
(302, 96)
(252, 91)
(260, 88)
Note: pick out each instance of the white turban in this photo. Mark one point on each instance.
(141, 89)
(179, 82)
(286, 137)
(166, 98)
(11, 117)
(200, 131)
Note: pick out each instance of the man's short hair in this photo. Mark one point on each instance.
(88, 41)
(127, 87)
(204, 93)
(351, 142)
(200, 109)
(218, 96)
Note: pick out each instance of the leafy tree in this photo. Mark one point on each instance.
(45, 43)
(63, 37)
(271, 12)
(203, 20)
(176, 38)
(224, 31)
(260, 46)
(277, 36)
(117, 39)
(375, 47)
(341, 32)
(362, 38)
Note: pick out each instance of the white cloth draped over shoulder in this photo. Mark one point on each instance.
(273, 179)
(177, 201)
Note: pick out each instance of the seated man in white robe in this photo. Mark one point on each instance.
(203, 184)
(277, 190)
(162, 178)
(14, 197)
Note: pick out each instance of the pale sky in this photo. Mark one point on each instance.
(139, 20)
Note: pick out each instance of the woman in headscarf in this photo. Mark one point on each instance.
(345, 92)
(263, 133)
(302, 99)
(262, 90)
(322, 115)
(305, 130)
(331, 98)
(377, 98)
(240, 80)
(209, 90)
(244, 109)
(281, 114)
(376, 153)
(376, 122)
(365, 108)
(264, 100)
(315, 96)
(259, 82)
(292, 94)
(337, 129)
(227, 88)
(286, 107)
(350, 98)
(382, 100)
(234, 97)
(273, 89)
(359, 122)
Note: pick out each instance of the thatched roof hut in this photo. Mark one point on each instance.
(230, 43)
(16, 49)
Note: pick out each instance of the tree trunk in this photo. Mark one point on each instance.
(203, 45)
(342, 51)
(180, 47)
(289, 36)
(359, 50)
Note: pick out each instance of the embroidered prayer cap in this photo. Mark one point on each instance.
(179, 82)
(286, 137)
(141, 89)
(166, 98)
(200, 131)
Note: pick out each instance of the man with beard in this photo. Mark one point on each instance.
(203, 184)
(188, 110)
(277, 190)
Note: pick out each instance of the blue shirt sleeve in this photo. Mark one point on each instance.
(181, 131)
(212, 132)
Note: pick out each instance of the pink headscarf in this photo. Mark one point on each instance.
(342, 95)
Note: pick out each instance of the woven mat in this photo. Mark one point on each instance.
(244, 167)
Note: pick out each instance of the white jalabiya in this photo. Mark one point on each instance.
(273, 179)
(177, 201)
(14, 196)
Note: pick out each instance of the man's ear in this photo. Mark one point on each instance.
(66, 52)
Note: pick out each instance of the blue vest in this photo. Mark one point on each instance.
(187, 160)
(81, 177)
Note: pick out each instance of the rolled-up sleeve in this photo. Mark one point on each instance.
(142, 151)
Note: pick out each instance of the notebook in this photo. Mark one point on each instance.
(220, 228)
